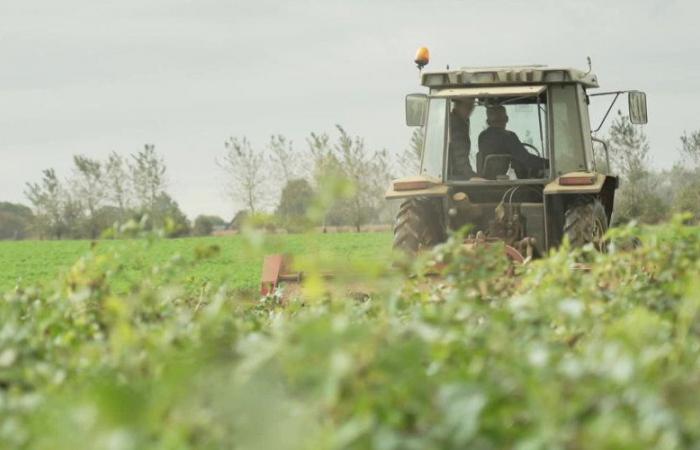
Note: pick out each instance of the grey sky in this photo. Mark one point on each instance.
(87, 76)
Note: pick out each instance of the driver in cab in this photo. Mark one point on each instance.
(496, 140)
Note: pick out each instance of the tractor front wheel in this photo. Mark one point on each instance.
(586, 223)
(419, 225)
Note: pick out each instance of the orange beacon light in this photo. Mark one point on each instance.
(422, 57)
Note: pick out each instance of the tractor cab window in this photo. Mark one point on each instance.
(434, 145)
(506, 139)
(567, 136)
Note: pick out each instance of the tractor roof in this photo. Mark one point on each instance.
(508, 76)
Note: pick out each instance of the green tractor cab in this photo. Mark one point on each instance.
(517, 163)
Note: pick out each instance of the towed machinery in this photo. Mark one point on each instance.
(570, 195)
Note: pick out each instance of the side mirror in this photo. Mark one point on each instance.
(638, 107)
(416, 106)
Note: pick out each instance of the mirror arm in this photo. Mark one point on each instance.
(617, 94)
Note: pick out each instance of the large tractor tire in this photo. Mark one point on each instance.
(586, 223)
(419, 225)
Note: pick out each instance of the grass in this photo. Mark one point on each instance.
(238, 260)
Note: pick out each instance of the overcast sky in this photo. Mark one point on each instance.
(90, 77)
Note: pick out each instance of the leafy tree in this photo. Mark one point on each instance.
(410, 158)
(118, 184)
(283, 159)
(367, 172)
(325, 163)
(684, 178)
(330, 183)
(205, 225)
(353, 177)
(49, 198)
(687, 197)
(690, 148)
(148, 178)
(629, 148)
(246, 171)
(295, 199)
(168, 217)
(74, 218)
(108, 216)
(638, 197)
(380, 179)
(89, 190)
(15, 221)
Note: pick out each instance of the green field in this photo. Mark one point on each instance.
(237, 262)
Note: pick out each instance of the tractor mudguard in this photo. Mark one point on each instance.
(416, 186)
(579, 183)
(566, 188)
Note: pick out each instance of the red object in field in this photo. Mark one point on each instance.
(276, 269)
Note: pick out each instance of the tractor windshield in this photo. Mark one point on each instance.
(495, 131)
(497, 137)
(506, 133)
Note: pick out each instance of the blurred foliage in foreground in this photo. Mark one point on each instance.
(554, 358)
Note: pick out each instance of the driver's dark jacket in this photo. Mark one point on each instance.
(494, 141)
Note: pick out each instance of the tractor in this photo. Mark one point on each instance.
(569, 195)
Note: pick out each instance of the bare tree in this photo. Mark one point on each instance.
(88, 187)
(246, 171)
(148, 177)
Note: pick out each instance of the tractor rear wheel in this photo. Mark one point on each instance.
(419, 225)
(586, 223)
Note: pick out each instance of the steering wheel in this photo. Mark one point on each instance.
(532, 147)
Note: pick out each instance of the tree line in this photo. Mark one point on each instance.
(99, 194)
(331, 180)
(334, 180)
